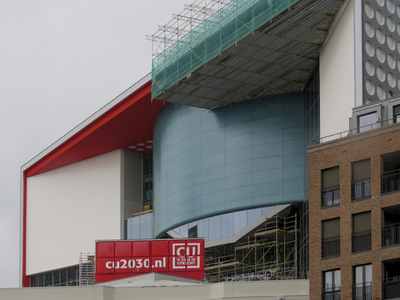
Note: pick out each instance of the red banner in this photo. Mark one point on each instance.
(121, 259)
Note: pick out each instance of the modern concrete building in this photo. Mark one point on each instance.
(213, 142)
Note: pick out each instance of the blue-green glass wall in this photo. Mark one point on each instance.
(232, 158)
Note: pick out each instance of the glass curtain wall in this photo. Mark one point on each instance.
(312, 136)
(63, 277)
(148, 182)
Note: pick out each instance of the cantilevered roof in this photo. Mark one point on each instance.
(123, 123)
(277, 57)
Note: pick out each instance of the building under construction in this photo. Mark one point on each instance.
(269, 252)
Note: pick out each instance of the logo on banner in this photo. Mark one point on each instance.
(186, 255)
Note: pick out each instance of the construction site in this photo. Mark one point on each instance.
(269, 252)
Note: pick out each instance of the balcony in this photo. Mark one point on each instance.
(391, 235)
(361, 241)
(362, 291)
(331, 295)
(330, 197)
(361, 190)
(331, 247)
(390, 181)
(391, 288)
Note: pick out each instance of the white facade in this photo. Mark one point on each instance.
(337, 81)
(69, 208)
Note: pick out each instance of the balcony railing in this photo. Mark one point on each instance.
(362, 240)
(362, 291)
(390, 181)
(331, 295)
(331, 246)
(361, 189)
(330, 197)
(391, 288)
(391, 235)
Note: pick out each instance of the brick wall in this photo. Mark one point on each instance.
(342, 153)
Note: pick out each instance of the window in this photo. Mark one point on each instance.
(391, 172)
(361, 180)
(192, 233)
(362, 232)
(396, 114)
(62, 277)
(362, 289)
(148, 182)
(330, 187)
(331, 289)
(331, 238)
(367, 122)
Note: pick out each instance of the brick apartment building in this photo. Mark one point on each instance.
(354, 193)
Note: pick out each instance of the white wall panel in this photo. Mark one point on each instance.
(71, 207)
(337, 85)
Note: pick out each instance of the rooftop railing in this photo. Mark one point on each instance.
(353, 131)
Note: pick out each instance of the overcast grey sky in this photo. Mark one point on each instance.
(60, 61)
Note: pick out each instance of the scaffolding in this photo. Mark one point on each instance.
(202, 31)
(86, 269)
(268, 253)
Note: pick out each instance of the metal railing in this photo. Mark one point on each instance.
(330, 197)
(361, 240)
(390, 181)
(361, 189)
(331, 246)
(357, 130)
(391, 288)
(331, 295)
(391, 234)
(362, 291)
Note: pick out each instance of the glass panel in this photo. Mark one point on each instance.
(63, 277)
(328, 281)
(202, 229)
(134, 228)
(183, 230)
(227, 225)
(146, 226)
(40, 280)
(214, 229)
(239, 221)
(337, 280)
(359, 274)
(56, 278)
(253, 214)
(192, 233)
(48, 277)
(72, 276)
(367, 122)
(368, 273)
(264, 210)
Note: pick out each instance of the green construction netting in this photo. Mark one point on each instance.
(221, 30)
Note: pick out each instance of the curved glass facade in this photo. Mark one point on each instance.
(208, 163)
